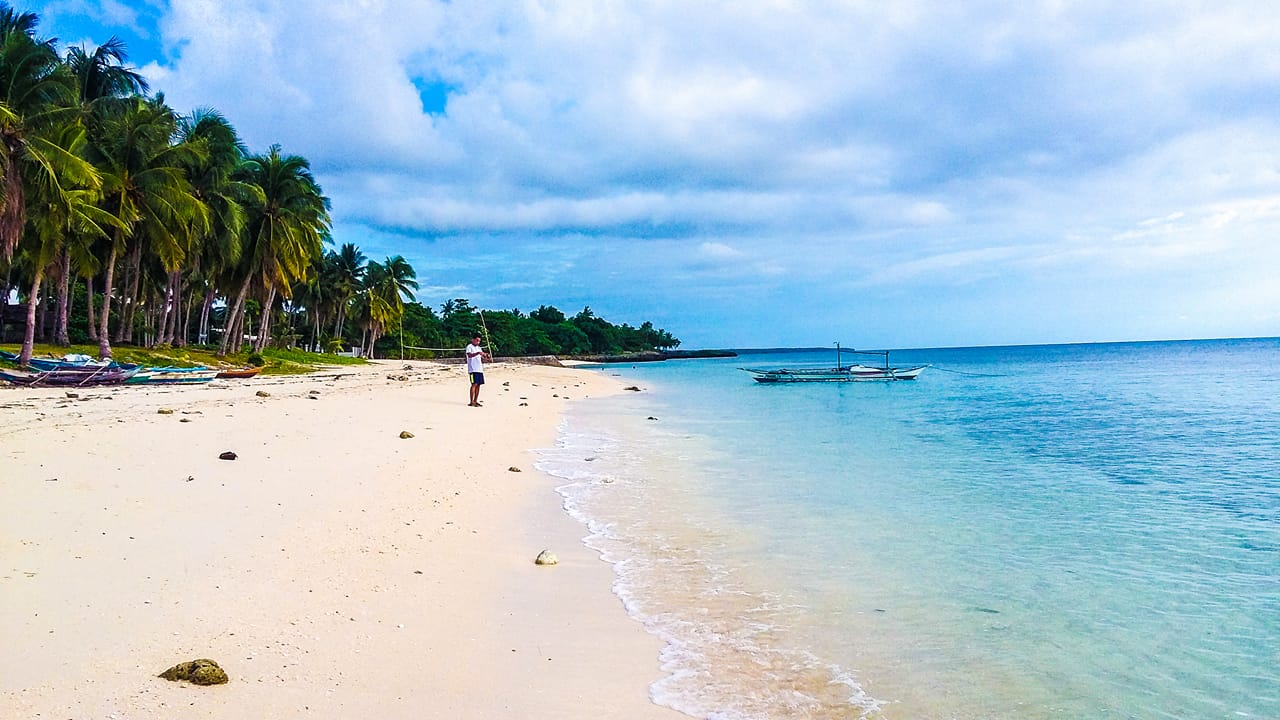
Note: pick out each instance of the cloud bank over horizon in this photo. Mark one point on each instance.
(771, 173)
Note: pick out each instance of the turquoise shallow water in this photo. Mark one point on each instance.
(1030, 532)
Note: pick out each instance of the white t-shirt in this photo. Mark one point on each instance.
(474, 363)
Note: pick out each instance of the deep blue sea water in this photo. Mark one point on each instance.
(1077, 531)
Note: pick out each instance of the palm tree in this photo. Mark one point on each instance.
(62, 205)
(101, 75)
(40, 163)
(102, 80)
(36, 92)
(145, 187)
(348, 268)
(214, 182)
(387, 284)
(397, 282)
(287, 231)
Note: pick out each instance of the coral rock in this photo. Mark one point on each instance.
(546, 557)
(197, 672)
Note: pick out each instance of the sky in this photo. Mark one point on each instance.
(758, 173)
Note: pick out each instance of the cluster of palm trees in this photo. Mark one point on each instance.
(343, 287)
(165, 220)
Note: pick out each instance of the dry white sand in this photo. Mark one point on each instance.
(334, 569)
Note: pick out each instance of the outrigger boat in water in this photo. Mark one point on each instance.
(839, 373)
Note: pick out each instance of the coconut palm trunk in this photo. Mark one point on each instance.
(264, 326)
(61, 334)
(232, 322)
(202, 335)
(175, 313)
(104, 336)
(170, 301)
(135, 283)
(182, 337)
(4, 297)
(162, 319)
(29, 337)
(89, 303)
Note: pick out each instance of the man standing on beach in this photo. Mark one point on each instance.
(475, 368)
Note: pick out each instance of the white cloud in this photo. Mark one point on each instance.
(718, 251)
(927, 146)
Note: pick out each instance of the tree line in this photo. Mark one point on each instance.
(124, 221)
(545, 331)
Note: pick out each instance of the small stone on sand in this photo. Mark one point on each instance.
(197, 672)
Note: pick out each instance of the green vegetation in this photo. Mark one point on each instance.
(127, 225)
(545, 331)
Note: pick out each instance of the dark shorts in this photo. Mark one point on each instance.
(477, 378)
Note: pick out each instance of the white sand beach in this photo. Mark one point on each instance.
(333, 569)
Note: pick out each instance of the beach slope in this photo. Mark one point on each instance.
(334, 569)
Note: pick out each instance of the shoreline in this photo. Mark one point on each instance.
(333, 569)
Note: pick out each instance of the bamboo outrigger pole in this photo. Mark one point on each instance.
(485, 327)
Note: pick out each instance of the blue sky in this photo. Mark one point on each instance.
(760, 173)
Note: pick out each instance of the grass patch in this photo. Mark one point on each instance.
(278, 362)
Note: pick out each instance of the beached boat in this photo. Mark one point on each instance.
(172, 376)
(71, 362)
(839, 373)
(67, 362)
(237, 373)
(69, 377)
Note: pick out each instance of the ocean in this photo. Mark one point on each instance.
(1063, 531)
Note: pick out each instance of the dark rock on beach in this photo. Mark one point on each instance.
(196, 672)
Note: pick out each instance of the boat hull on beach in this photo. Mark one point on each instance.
(67, 362)
(69, 377)
(238, 373)
(172, 376)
